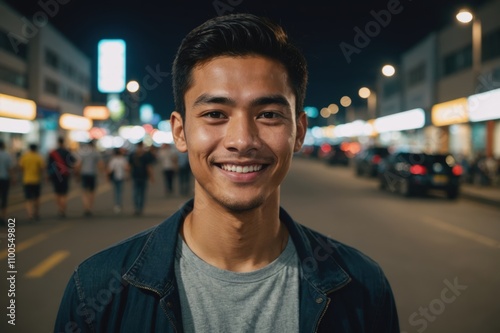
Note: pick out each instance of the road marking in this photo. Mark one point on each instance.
(458, 231)
(35, 240)
(42, 268)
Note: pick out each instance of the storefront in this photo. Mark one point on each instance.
(453, 131)
(484, 114)
(18, 126)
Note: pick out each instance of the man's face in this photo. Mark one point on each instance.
(240, 130)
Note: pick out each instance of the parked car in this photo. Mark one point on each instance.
(412, 173)
(336, 154)
(367, 161)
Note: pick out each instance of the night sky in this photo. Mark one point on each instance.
(153, 32)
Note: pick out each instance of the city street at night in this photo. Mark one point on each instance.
(441, 256)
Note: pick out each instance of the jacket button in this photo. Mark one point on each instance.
(319, 300)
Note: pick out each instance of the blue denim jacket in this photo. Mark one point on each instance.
(131, 286)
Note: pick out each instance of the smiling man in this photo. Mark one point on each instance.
(232, 259)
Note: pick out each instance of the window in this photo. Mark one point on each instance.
(457, 61)
(13, 44)
(416, 75)
(52, 59)
(51, 87)
(10, 76)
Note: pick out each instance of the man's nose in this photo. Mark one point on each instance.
(242, 134)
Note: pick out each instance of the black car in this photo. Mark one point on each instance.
(367, 161)
(412, 173)
(337, 154)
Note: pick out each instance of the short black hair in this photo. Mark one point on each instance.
(2, 144)
(33, 147)
(237, 35)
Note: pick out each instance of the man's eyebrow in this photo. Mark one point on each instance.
(272, 99)
(260, 101)
(213, 99)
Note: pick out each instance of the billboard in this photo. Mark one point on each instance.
(111, 61)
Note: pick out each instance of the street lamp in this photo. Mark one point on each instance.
(371, 100)
(466, 16)
(388, 70)
(133, 101)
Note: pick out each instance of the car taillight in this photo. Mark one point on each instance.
(376, 159)
(457, 170)
(326, 148)
(418, 169)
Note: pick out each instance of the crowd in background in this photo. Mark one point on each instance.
(63, 169)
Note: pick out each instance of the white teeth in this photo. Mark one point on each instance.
(241, 169)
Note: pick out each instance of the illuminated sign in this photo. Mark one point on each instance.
(484, 106)
(96, 112)
(73, 122)
(451, 112)
(15, 107)
(401, 121)
(9, 125)
(111, 62)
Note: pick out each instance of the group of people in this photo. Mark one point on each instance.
(85, 166)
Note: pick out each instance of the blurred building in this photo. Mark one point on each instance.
(39, 64)
(439, 76)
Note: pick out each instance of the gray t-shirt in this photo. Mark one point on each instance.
(216, 300)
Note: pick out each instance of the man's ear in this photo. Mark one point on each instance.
(177, 124)
(301, 131)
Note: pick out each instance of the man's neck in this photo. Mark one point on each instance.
(239, 242)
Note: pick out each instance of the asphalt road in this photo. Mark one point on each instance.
(441, 257)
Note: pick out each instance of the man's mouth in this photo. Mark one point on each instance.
(241, 168)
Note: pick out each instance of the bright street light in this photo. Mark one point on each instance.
(345, 101)
(132, 86)
(364, 92)
(464, 16)
(388, 70)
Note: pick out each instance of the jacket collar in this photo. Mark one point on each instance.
(153, 269)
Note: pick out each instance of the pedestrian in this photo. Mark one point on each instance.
(6, 178)
(167, 158)
(32, 166)
(60, 163)
(89, 165)
(184, 171)
(141, 170)
(232, 259)
(117, 171)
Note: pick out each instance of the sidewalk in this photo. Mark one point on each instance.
(484, 194)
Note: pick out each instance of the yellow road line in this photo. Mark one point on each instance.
(42, 268)
(34, 240)
(464, 233)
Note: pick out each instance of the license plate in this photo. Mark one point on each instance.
(440, 179)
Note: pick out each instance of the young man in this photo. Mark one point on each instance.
(32, 166)
(59, 165)
(231, 259)
(89, 165)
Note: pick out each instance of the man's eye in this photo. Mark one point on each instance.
(269, 115)
(214, 114)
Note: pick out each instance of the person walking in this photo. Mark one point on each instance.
(184, 173)
(89, 165)
(32, 165)
(59, 165)
(6, 178)
(140, 163)
(167, 157)
(117, 171)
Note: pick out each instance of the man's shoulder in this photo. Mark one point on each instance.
(355, 262)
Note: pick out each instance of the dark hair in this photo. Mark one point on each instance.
(237, 35)
(60, 140)
(2, 144)
(33, 147)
